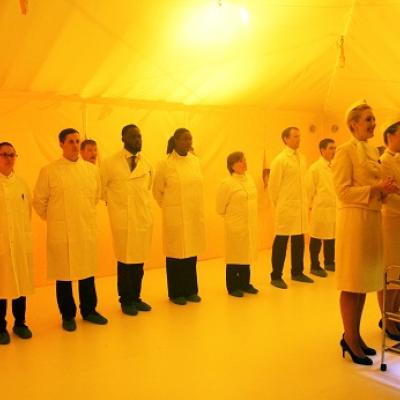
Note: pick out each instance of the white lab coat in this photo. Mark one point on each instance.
(391, 213)
(178, 189)
(322, 200)
(359, 258)
(16, 275)
(66, 194)
(287, 189)
(128, 198)
(237, 203)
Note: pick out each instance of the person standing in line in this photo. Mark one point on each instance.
(178, 189)
(16, 274)
(126, 181)
(322, 200)
(360, 189)
(237, 203)
(65, 195)
(390, 161)
(88, 150)
(287, 189)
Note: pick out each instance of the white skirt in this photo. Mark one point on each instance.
(358, 251)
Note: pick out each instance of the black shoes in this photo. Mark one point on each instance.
(279, 283)
(129, 309)
(22, 331)
(319, 272)
(95, 318)
(193, 298)
(356, 359)
(236, 293)
(250, 289)
(302, 278)
(4, 337)
(142, 306)
(330, 267)
(69, 325)
(180, 301)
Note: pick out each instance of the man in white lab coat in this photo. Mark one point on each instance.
(322, 201)
(287, 190)
(126, 180)
(65, 195)
(89, 150)
(16, 275)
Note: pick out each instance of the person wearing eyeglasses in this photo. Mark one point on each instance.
(16, 275)
(65, 195)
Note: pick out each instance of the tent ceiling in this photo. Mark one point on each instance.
(195, 52)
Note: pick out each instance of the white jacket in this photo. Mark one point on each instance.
(178, 189)
(322, 200)
(391, 168)
(128, 198)
(16, 275)
(287, 189)
(66, 194)
(237, 203)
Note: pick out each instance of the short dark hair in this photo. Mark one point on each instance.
(6, 144)
(65, 132)
(232, 159)
(324, 143)
(391, 130)
(286, 132)
(127, 127)
(87, 142)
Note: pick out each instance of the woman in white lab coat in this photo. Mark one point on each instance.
(178, 189)
(237, 203)
(360, 188)
(16, 275)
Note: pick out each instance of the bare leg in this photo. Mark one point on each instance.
(351, 306)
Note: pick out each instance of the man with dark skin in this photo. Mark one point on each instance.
(126, 179)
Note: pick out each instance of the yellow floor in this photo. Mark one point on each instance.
(275, 345)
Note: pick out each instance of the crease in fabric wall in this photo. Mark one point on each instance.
(32, 125)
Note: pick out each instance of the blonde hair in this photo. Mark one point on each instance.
(355, 114)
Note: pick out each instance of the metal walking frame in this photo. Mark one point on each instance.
(388, 315)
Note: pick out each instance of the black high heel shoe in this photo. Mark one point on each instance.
(356, 359)
(369, 351)
(392, 336)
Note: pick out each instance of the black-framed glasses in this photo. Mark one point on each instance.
(9, 155)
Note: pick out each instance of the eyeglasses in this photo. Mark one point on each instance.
(9, 155)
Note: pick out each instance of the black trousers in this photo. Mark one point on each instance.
(129, 281)
(18, 309)
(279, 254)
(329, 252)
(237, 277)
(181, 277)
(87, 298)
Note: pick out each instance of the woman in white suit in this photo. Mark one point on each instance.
(178, 189)
(237, 203)
(360, 189)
